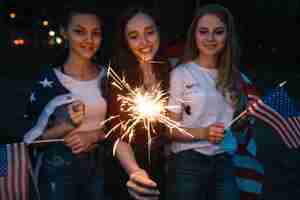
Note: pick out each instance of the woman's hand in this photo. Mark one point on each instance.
(67, 117)
(76, 111)
(83, 141)
(141, 187)
(215, 132)
(64, 120)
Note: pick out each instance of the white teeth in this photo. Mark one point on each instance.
(146, 50)
(210, 45)
(88, 48)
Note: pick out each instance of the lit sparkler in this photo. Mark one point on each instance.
(143, 106)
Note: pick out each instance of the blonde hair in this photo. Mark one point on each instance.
(228, 74)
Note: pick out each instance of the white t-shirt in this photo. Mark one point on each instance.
(193, 93)
(90, 94)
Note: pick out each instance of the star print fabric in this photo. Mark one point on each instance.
(44, 89)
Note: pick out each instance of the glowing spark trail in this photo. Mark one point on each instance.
(143, 106)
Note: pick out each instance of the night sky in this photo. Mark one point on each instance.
(267, 28)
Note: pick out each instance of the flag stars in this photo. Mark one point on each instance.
(46, 83)
(32, 97)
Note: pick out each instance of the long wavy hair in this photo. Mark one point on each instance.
(125, 62)
(229, 58)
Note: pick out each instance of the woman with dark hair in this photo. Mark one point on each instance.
(138, 57)
(205, 90)
(67, 103)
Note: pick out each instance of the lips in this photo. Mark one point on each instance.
(87, 48)
(210, 46)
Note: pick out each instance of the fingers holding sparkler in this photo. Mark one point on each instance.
(215, 132)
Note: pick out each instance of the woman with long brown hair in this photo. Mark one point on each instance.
(138, 57)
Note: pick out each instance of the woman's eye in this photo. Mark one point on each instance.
(97, 33)
(78, 32)
(202, 31)
(132, 37)
(150, 32)
(219, 32)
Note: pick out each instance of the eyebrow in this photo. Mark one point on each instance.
(151, 27)
(82, 27)
(218, 27)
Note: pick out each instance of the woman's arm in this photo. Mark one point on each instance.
(177, 135)
(84, 141)
(57, 131)
(125, 155)
(139, 185)
(213, 133)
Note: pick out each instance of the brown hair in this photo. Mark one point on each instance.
(78, 7)
(126, 62)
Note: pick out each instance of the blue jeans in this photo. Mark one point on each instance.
(194, 176)
(64, 175)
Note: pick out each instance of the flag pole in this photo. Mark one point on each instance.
(237, 118)
(245, 111)
(46, 141)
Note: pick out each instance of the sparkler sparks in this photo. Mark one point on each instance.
(143, 106)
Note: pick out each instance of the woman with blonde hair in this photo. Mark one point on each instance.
(205, 94)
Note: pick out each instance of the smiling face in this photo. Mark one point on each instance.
(210, 35)
(84, 35)
(142, 37)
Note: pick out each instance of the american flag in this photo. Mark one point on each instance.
(13, 172)
(281, 112)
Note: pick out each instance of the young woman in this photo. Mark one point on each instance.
(205, 92)
(74, 92)
(137, 49)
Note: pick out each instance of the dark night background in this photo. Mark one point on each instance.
(268, 31)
